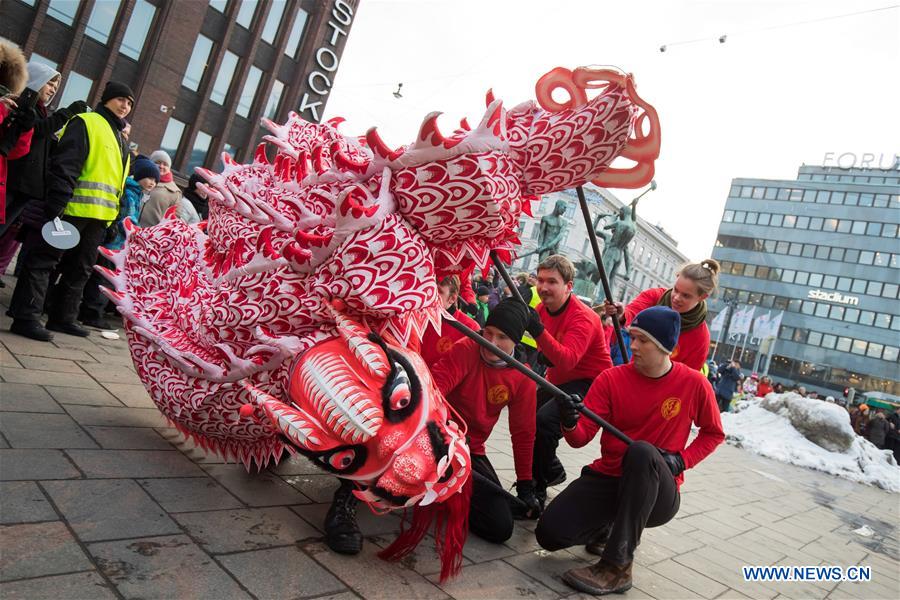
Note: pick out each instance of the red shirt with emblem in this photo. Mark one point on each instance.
(693, 344)
(659, 411)
(478, 392)
(434, 346)
(574, 341)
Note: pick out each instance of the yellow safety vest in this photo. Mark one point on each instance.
(535, 300)
(102, 180)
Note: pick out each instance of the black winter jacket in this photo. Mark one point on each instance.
(28, 174)
(67, 160)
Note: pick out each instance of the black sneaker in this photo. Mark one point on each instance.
(31, 329)
(342, 532)
(69, 328)
(557, 473)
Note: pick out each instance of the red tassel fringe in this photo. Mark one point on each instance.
(451, 527)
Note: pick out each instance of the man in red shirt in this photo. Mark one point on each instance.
(477, 384)
(654, 401)
(434, 344)
(570, 337)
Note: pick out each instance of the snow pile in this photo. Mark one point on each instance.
(767, 427)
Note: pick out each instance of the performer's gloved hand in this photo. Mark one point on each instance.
(613, 309)
(673, 461)
(534, 325)
(78, 107)
(525, 492)
(568, 410)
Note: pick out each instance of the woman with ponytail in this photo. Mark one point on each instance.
(694, 283)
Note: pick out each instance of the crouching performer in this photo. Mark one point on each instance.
(478, 385)
(653, 401)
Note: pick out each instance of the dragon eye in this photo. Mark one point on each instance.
(400, 393)
(341, 460)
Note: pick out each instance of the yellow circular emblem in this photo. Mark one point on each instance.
(670, 407)
(498, 394)
(444, 344)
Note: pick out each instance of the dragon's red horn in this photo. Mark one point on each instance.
(367, 352)
(377, 145)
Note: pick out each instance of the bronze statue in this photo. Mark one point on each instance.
(551, 232)
(616, 237)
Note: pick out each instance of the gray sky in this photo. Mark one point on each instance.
(761, 104)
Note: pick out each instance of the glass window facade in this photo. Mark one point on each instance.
(196, 67)
(219, 5)
(171, 139)
(274, 100)
(248, 94)
(138, 27)
(100, 23)
(273, 20)
(77, 87)
(246, 13)
(292, 48)
(223, 78)
(63, 10)
(199, 151)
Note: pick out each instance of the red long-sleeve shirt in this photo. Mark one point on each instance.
(659, 411)
(479, 392)
(435, 345)
(693, 344)
(574, 341)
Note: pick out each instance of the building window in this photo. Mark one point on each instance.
(274, 100)
(866, 257)
(851, 315)
(843, 283)
(866, 317)
(763, 218)
(837, 313)
(246, 13)
(223, 78)
(270, 29)
(35, 57)
(859, 227)
(777, 220)
(78, 87)
(851, 198)
(829, 225)
(292, 48)
(889, 230)
(751, 218)
(822, 252)
(881, 200)
(63, 10)
(843, 344)
(890, 353)
(859, 347)
(759, 193)
(735, 191)
(882, 259)
(746, 191)
(728, 217)
(851, 255)
(193, 75)
(138, 27)
(815, 223)
(809, 195)
(219, 5)
(889, 291)
(802, 278)
(802, 222)
(101, 21)
(171, 139)
(248, 94)
(873, 229)
(790, 221)
(199, 151)
(874, 288)
(859, 286)
(814, 339)
(828, 341)
(866, 199)
(771, 193)
(837, 198)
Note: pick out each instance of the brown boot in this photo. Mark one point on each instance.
(600, 578)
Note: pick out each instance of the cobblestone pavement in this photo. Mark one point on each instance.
(102, 499)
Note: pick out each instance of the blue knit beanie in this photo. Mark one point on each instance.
(661, 324)
(144, 168)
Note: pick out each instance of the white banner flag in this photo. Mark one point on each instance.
(774, 325)
(761, 325)
(740, 323)
(719, 322)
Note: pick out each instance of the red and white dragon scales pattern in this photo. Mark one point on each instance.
(253, 331)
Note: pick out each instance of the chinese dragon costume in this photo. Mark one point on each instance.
(288, 321)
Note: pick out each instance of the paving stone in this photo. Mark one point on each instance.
(104, 509)
(131, 394)
(318, 488)
(57, 365)
(278, 572)
(296, 465)
(20, 346)
(107, 373)
(117, 417)
(75, 586)
(164, 567)
(424, 560)
(3, 442)
(369, 523)
(134, 463)
(36, 549)
(128, 438)
(495, 579)
(120, 358)
(689, 578)
(245, 529)
(256, 489)
(189, 494)
(29, 430)
(91, 397)
(23, 502)
(657, 586)
(7, 359)
(546, 567)
(373, 578)
(478, 550)
(19, 465)
(26, 397)
(47, 378)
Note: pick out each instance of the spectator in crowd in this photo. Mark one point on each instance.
(85, 180)
(28, 174)
(878, 429)
(729, 377)
(801, 391)
(860, 420)
(434, 344)
(749, 386)
(482, 295)
(764, 387)
(894, 433)
(166, 195)
(196, 196)
(143, 179)
(16, 121)
(778, 388)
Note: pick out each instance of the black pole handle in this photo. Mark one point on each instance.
(592, 235)
(505, 275)
(540, 381)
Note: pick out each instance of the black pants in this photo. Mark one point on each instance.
(646, 495)
(723, 403)
(490, 516)
(75, 267)
(548, 431)
(93, 302)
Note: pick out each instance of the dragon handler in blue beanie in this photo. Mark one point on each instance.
(654, 401)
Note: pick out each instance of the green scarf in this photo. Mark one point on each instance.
(692, 318)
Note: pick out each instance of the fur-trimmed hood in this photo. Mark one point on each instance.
(13, 69)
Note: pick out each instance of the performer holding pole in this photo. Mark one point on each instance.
(654, 401)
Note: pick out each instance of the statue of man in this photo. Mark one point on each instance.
(616, 237)
(551, 232)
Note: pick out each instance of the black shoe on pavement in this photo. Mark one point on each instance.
(31, 329)
(100, 323)
(69, 328)
(342, 532)
(557, 473)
